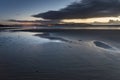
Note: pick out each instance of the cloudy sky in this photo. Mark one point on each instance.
(23, 9)
(64, 10)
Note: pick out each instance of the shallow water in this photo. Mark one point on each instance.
(24, 56)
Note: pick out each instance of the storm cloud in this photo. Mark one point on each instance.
(85, 9)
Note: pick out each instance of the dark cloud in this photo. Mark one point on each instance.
(25, 21)
(36, 21)
(85, 9)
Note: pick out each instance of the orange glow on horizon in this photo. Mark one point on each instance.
(91, 20)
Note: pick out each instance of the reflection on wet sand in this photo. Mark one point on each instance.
(48, 36)
(59, 56)
(103, 45)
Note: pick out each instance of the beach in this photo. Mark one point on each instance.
(59, 54)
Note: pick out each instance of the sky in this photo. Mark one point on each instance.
(23, 9)
(78, 11)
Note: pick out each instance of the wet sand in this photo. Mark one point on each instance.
(66, 55)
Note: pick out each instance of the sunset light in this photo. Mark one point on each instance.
(91, 20)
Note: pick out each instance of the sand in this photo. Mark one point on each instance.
(63, 55)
